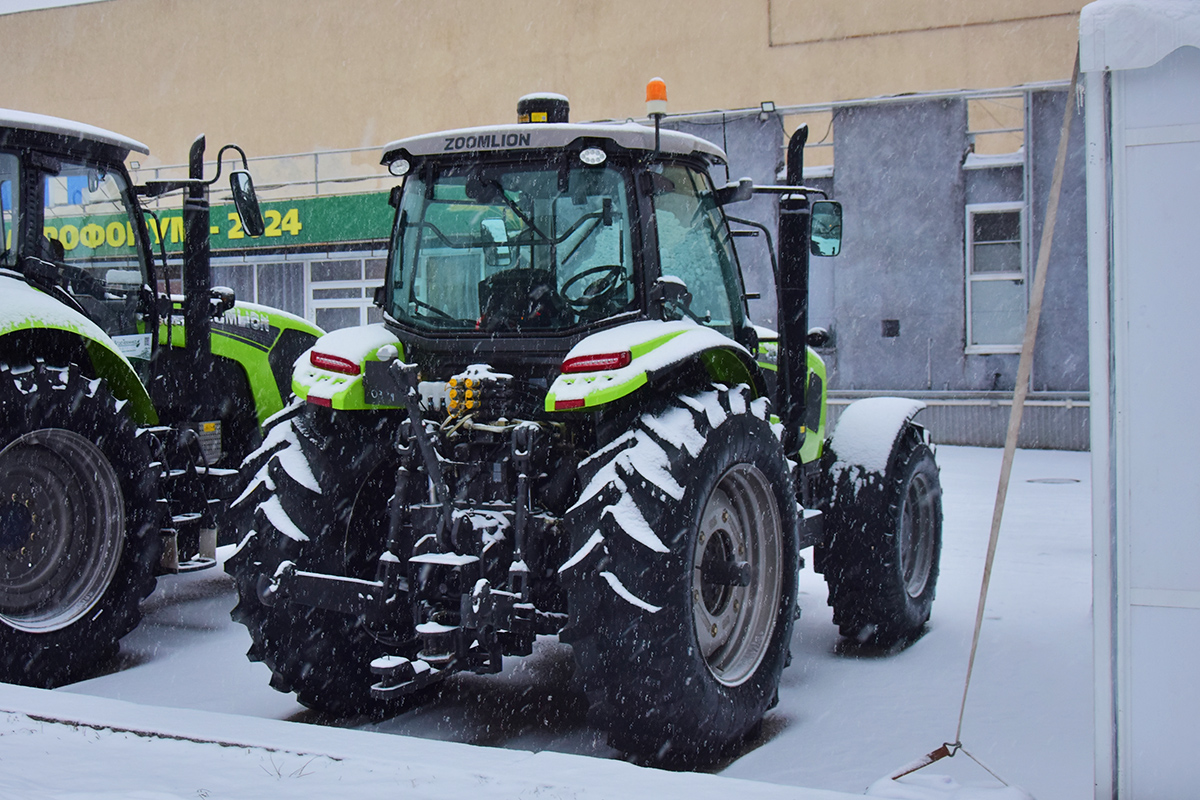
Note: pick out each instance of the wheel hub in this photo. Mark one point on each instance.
(736, 579)
(917, 535)
(718, 549)
(16, 526)
(61, 529)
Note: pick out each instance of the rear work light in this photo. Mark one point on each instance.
(333, 363)
(597, 362)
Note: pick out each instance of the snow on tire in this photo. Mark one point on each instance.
(79, 524)
(316, 496)
(682, 586)
(885, 540)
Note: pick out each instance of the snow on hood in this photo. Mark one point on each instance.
(244, 306)
(1134, 34)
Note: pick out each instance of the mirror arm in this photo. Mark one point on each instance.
(766, 233)
(769, 189)
(220, 155)
(159, 188)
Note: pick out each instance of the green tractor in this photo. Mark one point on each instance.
(567, 425)
(124, 410)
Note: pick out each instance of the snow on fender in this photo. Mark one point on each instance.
(867, 430)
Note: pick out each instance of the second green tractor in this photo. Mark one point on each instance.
(567, 425)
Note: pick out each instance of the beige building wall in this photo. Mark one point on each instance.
(286, 76)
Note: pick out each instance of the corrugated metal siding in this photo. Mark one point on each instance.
(1052, 421)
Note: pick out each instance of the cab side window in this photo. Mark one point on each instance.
(9, 196)
(693, 242)
(89, 235)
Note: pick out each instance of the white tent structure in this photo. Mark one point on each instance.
(1140, 61)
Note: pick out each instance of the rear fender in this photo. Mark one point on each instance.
(649, 350)
(35, 325)
(356, 351)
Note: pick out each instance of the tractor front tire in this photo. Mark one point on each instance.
(682, 587)
(885, 542)
(79, 524)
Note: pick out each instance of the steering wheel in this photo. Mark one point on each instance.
(612, 279)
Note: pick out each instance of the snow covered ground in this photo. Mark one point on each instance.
(845, 718)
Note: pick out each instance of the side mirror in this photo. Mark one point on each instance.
(246, 202)
(221, 299)
(735, 192)
(380, 298)
(826, 228)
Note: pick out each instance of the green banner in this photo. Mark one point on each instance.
(307, 222)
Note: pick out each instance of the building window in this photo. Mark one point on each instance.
(343, 290)
(997, 301)
(996, 124)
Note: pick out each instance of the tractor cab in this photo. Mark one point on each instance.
(71, 226)
(532, 236)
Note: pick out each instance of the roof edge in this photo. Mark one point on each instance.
(1135, 34)
(43, 123)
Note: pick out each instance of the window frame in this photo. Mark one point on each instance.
(731, 272)
(13, 235)
(427, 172)
(971, 278)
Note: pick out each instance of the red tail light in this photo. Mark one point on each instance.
(333, 363)
(595, 363)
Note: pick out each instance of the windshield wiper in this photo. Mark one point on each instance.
(495, 184)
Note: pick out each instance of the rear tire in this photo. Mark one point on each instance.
(326, 476)
(885, 543)
(680, 663)
(79, 524)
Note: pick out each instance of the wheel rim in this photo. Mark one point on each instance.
(917, 522)
(62, 524)
(740, 523)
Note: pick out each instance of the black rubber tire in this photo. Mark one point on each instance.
(322, 656)
(79, 524)
(651, 677)
(885, 541)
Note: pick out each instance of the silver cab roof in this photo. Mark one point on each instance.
(529, 136)
(65, 127)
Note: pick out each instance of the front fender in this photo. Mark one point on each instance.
(867, 431)
(653, 348)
